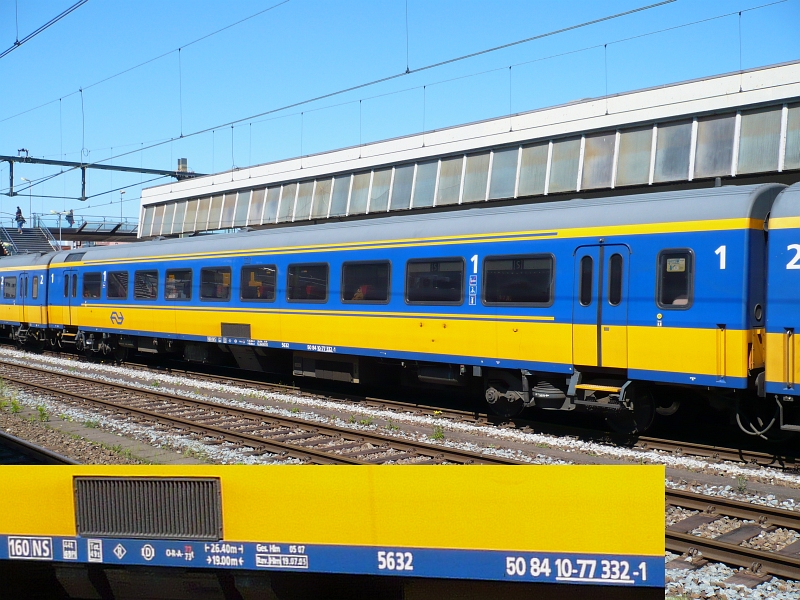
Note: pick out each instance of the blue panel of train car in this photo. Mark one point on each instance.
(23, 300)
(783, 316)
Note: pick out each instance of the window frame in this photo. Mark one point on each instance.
(460, 259)
(690, 291)
(552, 294)
(241, 284)
(621, 279)
(191, 284)
(16, 285)
(591, 281)
(108, 285)
(35, 288)
(230, 286)
(83, 286)
(367, 262)
(304, 300)
(158, 291)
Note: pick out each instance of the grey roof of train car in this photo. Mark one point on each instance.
(787, 204)
(26, 260)
(724, 202)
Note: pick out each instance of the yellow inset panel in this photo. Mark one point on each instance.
(600, 509)
(584, 345)
(615, 346)
(782, 353)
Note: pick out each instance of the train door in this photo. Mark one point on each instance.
(600, 306)
(70, 296)
(22, 299)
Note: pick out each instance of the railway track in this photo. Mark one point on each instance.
(727, 548)
(322, 443)
(16, 451)
(252, 431)
(645, 443)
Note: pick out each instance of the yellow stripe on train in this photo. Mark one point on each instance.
(620, 508)
(722, 353)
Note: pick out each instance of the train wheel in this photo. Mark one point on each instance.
(637, 420)
(504, 394)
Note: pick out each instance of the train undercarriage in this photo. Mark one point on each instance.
(629, 407)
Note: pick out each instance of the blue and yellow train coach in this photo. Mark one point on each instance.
(601, 304)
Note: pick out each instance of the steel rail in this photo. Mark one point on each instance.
(774, 563)
(644, 443)
(431, 451)
(780, 565)
(255, 442)
(719, 505)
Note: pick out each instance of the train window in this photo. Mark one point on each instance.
(21, 286)
(178, 284)
(520, 280)
(437, 281)
(35, 287)
(117, 285)
(74, 256)
(145, 285)
(259, 282)
(675, 279)
(92, 285)
(66, 285)
(365, 282)
(307, 283)
(74, 285)
(215, 283)
(587, 280)
(615, 280)
(10, 288)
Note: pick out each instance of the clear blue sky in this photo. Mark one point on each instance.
(306, 48)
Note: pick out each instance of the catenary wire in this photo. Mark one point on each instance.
(33, 34)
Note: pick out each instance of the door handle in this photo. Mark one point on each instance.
(789, 356)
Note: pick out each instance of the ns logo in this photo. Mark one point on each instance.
(117, 318)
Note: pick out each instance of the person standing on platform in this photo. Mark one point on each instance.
(70, 218)
(19, 219)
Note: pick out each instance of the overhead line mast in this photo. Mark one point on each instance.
(179, 174)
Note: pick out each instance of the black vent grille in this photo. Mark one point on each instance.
(152, 508)
(236, 330)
